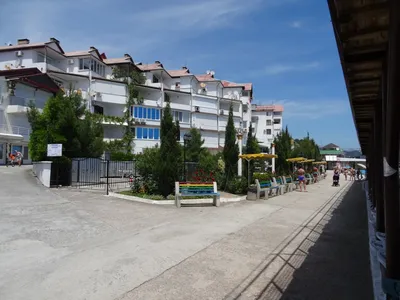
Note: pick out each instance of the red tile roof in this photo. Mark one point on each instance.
(150, 67)
(246, 86)
(121, 60)
(269, 108)
(205, 77)
(178, 73)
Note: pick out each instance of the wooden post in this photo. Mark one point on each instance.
(378, 174)
(391, 163)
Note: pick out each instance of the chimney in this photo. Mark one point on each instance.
(23, 42)
(157, 62)
(54, 40)
(93, 48)
(126, 55)
(184, 68)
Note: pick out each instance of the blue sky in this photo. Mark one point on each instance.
(285, 47)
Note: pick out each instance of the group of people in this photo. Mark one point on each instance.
(302, 179)
(347, 172)
(15, 157)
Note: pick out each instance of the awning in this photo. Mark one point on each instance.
(8, 137)
(307, 161)
(257, 156)
(296, 159)
(319, 163)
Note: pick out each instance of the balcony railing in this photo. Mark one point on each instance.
(15, 100)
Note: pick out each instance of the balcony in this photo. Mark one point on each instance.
(14, 133)
(18, 105)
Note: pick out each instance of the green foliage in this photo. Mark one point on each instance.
(132, 77)
(170, 154)
(237, 185)
(231, 149)
(307, 148)
(252, 147)
(209, 162)
(65, 121)
(147, 169)
(283, 148)
(194, 147)
(263, 176)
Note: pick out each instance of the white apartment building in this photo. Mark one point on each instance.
(199, 101)
(267, 123)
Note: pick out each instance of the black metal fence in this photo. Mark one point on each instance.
(94, 173)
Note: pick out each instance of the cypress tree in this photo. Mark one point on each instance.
(170, 154)
(231, 149)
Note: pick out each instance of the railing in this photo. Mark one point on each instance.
(4, 128)
(14, 100)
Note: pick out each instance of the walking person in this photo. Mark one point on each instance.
(301, 178)
(18, 156)
(336, 177)
(345, 172)
(359, 175)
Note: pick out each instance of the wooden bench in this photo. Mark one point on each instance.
(282, 186)
(290, 185)
(196, 189)
(267, 187)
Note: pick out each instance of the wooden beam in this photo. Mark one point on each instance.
(349, 14)
(365, 81)
(378, 29)
(350, 49)
(366, 56)
(373, 71)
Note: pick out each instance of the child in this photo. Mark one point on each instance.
(11, 158)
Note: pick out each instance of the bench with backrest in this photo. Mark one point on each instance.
(279, 182)
(267, 187)
(196, 189)
(308, 178)
(290, 185)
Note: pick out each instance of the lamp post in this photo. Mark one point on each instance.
(239, 134)
(186, 138)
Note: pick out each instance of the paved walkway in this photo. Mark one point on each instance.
(57, 244)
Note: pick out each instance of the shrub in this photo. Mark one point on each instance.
(147, 167)
(263, 176)
(237, 185)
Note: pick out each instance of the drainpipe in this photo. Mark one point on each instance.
(218, 110)
(191, 102)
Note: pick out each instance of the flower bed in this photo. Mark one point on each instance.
(158, 197)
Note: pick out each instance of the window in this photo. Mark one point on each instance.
(177, 86)
(245, 93)
(277, 113)
(269, 122)
(148, 113)
(180, 116)
(98, 109)
(144, 133)
(42, 58)
(167, 98)
(268, 113)
(155, 79)
(26, 152)
(277, 121)
(93, 65)
(268, 131)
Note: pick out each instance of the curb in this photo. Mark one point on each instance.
(172, 202)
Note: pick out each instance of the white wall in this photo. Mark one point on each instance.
(42, 171)
(9, 58)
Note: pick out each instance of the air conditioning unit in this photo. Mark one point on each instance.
(19, 53)
(137, 121)
(96, 95)
(197, 108)
(70, 61)
(142, 121)
(221, 112)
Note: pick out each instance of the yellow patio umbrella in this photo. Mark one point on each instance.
(319, 163)
(307, 161)
(296, 159)
(250, 157)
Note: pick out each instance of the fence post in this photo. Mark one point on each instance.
(108, 167)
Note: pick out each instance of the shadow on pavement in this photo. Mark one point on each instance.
(333, 260)
(328, 257)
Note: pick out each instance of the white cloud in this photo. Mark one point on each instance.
(277, 69)
(313, 109)
(296, 24)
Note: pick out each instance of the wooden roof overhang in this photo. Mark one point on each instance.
(361, 30)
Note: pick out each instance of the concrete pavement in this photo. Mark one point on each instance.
(66, 244)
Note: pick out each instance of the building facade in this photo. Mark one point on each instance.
(267, 123)
(197, 101)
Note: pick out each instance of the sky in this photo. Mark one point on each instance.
(286, 48)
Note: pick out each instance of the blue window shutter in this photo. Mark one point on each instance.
(145, 135)
(157, 114)
(156, 133)
(151, 133)
(149, 113)
(136, 109)
(139, 133)
(140, 112)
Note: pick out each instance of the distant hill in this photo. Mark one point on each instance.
(352, 153)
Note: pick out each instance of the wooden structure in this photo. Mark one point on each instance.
(367, 33)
